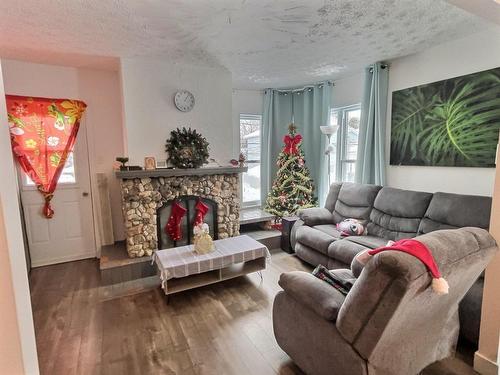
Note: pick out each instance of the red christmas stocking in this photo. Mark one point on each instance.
(173, 227)
(201, 211)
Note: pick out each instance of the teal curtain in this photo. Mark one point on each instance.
(370, 164)
(311, 109)
(276, 117)
(308, 108)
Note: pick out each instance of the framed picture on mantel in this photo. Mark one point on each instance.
(161, 164)
(149, 163)
(449, 123)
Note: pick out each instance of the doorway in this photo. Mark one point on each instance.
(69, 235)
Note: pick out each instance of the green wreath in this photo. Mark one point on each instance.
(186, 148)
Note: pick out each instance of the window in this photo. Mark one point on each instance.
(67, 175)
(250, 126)
(344, 142)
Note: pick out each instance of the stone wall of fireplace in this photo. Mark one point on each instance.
(141, 198)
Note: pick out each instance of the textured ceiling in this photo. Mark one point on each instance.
(262, 42)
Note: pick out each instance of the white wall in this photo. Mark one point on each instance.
(463, 56)
(15, 259)
(248, 102)
(149, 86)
(103, 117)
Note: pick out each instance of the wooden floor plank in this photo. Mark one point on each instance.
(220, 329)
(217, 329)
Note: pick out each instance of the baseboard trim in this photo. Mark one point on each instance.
(70, 258)
(484, 366)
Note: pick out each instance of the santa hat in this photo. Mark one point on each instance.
(419, 251)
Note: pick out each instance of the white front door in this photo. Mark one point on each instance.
(69, 235)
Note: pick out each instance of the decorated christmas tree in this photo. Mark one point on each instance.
(293, 187)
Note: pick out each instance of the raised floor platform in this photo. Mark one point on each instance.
(254, 215)
(117, 268)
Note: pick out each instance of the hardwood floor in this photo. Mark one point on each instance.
(221, 329)
(224, 328)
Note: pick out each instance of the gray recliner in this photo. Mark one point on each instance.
(389, 214)
(391, 322)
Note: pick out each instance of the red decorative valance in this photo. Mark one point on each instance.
(43, 133)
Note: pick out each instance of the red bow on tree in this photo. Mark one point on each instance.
(291, 143)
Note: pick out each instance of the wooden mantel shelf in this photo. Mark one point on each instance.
(179, 172)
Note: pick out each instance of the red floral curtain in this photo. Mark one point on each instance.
(43, 132)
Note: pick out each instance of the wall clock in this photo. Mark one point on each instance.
(184, 100)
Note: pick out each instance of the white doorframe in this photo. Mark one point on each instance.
(89, 134)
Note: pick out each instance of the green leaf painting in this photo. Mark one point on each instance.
(454, 122)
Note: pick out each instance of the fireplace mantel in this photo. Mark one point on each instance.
(125, 175)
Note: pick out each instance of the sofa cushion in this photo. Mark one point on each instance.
(315, 216)
(329, 229)
(335, 264)
(314, 238)
(312, 292)
(354, 201)
(332, 196)
(371, 242)
(450, 211)
(344, 250)
(311, 256)
(397, 213)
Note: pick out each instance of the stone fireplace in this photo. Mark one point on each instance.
(144, 193)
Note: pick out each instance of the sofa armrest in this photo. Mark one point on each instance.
(312, 292)
(315, 216)
(293, 233)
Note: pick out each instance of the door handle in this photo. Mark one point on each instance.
(85, 194)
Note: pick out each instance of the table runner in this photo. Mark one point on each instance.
(184, 261)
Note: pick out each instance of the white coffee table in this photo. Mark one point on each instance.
(181, 268)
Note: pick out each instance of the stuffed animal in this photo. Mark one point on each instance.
(203, 242)
(351, 227)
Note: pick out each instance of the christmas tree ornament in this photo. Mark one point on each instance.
(173, 227)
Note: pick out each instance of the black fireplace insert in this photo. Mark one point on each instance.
(189, 203)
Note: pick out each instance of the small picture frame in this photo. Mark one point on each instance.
(161, 164)
(149, 163)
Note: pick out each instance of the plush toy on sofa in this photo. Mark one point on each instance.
(351, 227)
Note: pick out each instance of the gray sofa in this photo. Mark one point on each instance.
(389, 214)
(391, 322)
